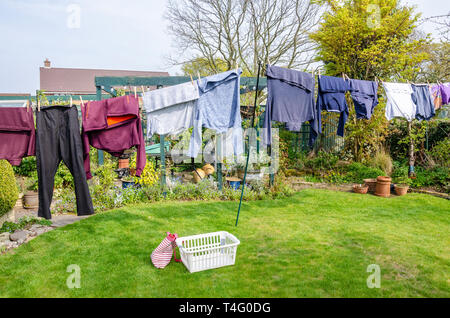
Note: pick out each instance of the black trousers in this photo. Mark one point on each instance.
(58, 138)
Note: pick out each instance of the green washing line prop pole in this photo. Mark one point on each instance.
(248, 150)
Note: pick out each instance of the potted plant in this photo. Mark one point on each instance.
(254, 172)
(402, 185)
(127, 182)
(31, 197)
(360, 188)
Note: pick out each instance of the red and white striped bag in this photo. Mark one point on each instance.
(162, 255)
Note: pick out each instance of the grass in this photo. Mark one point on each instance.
(317, 243)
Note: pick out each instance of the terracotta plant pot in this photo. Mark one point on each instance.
(124, 163)
(383, 188)
(372, 184)
(31, 200)
(401, 189)
(358, 188)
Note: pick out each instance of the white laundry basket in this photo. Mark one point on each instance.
(208, 251)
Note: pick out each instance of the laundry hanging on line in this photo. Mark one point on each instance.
(218, 108)
(424, 104)
(58, 139)
(436, 96)
(113, 125)
(365, 97)
(399, 101)
(445, 93)
(17, 134)
(290, 99)
(170, 110)
(331, 98)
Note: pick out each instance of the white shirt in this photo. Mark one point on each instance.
(399, 101)
(170, 110)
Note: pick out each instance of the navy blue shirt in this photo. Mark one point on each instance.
(290, 100)
(364, 96)
(331, 98)
(421, 96)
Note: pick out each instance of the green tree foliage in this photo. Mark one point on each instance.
(8, 188)
(203, 67)
(370, 40)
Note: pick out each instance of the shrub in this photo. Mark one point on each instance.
(149, 176)
(105, 175)
(63, 177)
(322, 161)
(8, 187)
(357, 172)
(400, 171)
(383, 161)
(32, 182)
(436, 177)
(27, 167)
(441, 153)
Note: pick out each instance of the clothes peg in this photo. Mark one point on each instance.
(143, 91)
(135, 92)
(70, 101)
(198, 74)
(39, 104)
(192, 80)
(28, 105)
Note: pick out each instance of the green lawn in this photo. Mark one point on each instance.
(316, 244)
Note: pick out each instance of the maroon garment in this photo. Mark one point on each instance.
(113, 125)
(17, 134)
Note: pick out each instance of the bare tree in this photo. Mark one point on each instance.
(243, 32)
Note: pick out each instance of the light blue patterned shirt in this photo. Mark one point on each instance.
(218, 108)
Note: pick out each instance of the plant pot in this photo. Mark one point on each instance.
(31, 200)
(234, 183)
(401, 189)
(254, 175)
(372, 184)
(124, 163)
(362, 189)
(383, 188)
(127, 184)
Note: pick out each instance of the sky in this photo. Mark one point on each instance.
(105, 34)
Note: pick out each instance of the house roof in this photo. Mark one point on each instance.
(82, 81)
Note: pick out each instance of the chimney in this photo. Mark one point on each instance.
(47, 63)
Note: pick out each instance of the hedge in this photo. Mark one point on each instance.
(8, 188)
